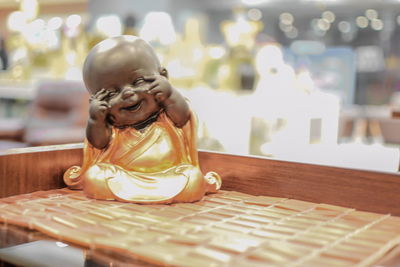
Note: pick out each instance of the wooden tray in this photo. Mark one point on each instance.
(33, 169)
(41, 168)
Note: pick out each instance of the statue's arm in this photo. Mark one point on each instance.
(174, 104)
(98, 133)
(177, 108)
(98, 130)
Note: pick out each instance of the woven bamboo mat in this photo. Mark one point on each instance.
(224, 229)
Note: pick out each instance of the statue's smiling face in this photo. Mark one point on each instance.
(122, 71)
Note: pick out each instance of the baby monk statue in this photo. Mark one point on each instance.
(141, 133)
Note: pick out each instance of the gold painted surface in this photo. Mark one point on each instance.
(223, 229)
(158, 165)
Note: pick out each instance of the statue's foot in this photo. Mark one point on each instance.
(214, 182)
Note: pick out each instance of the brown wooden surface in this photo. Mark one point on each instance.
(396, 114)
(32, 169)
(363, 190)
(27, 170)
(224, 229)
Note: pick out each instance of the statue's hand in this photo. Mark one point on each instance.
(99, 107)
(159, 87)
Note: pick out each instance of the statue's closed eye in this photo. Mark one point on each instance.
(138, 81)
(112, 93)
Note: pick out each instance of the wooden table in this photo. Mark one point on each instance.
(41, 168)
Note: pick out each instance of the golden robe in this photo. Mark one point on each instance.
(158, 165)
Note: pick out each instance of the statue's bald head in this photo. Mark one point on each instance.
(113, 57)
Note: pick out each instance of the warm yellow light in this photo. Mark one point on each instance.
(177, 70)
(34, 32)
(38, 24)
(30, 8)
(73, 21)
(269, 56)
(73, 73)
(54, 23)
(70, 58)
(19, 55)
(158, 26)
(16, 21)
(52, 40)
(216, 52)
(232, 36)
(109, 26)
(197, 54)
(236, 30)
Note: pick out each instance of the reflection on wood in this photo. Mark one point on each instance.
(38, 168)
(364, 190)
(224, 229)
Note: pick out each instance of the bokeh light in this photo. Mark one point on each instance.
(54, 23)
(362, 22)
(344, 26)
(371, 14)
(286, 18)
(377, 24)
(254, 14)
(109, 25)
(158, 26)
(329, 16)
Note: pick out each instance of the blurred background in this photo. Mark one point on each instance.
(301, 80)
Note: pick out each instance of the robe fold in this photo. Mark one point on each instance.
(156, 165)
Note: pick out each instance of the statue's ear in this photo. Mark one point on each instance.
(164, 72)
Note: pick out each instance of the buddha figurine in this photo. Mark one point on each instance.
(141, 132)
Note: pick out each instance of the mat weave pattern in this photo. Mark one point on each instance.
(224, 229)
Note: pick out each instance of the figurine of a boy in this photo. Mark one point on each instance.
(141, 134)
